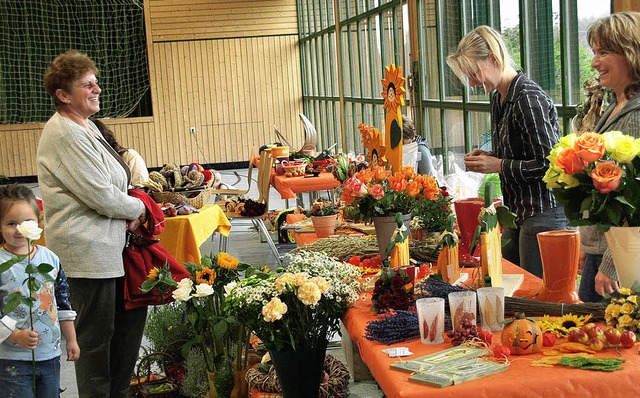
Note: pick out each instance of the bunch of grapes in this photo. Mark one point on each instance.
(466, 331)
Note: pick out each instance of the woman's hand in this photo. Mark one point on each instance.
(24, 338)
(604, 284)
(480, 161)
(134, 224)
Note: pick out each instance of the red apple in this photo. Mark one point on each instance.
(588, 326)
(578, 336)
(594, 332)
(627, 339)
(613, 336)
(596, 344)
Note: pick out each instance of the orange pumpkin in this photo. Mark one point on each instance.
(522, 335)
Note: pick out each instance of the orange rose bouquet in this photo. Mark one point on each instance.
(595, 177)
(378, 192)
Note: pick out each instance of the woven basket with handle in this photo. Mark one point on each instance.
(201, 199)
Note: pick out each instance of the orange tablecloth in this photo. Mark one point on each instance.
(520, 380)
(183, 235)
(288, 187)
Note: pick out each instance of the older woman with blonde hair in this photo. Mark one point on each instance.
(524, 130)
(84, 184)
(615, 41)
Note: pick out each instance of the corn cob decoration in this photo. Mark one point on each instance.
(488, 233)
(393, 94)
(398, 249)
(448, 263)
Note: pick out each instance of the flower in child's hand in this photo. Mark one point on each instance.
(606, 176)
(30, 230)
(274, 310)
(203, 290)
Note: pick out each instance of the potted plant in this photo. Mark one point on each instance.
(324, 215)
(223, 340)
(379, 194)
(294, 311)
(430, 216)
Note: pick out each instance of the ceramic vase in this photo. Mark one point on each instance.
(624, 244)
(385, 226)
(325, 226)
(300, 372)
(559, 252)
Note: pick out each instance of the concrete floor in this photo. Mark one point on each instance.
(244, 243)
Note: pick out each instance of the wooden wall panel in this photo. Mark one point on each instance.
(214, 19)
(626, 5)
(231, 69)
(232, 92)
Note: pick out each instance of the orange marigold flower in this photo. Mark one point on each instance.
(153, 274)
(227, 261)
(430, 190)
(397, 182)
(207, 275)
(365, 175)
(380, 173)
(410, 172)
(413, 188)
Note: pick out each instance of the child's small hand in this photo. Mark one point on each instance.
(73, 350)
(25, 338)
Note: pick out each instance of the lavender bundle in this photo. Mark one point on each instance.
(393, 327)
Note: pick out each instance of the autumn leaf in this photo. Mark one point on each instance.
(434, 329)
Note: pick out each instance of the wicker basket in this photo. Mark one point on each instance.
(176, 197)
(144, 373)
(294, 168)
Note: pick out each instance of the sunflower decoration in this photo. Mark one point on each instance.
(373, 143)
(393, 94)
(560, 326)
(393, 88)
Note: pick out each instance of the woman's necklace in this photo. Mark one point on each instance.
(33, 250)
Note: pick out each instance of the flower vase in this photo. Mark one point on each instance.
(560, 253)
(624, 244)
(300, 372)
(325, 226)
(213, 393)
(467, 212)
(385, 227)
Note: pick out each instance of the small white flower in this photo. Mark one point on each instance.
(203, 290)
(229, 287)
(30, 230)
(182, 294)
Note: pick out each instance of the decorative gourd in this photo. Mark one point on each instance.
(522, 335)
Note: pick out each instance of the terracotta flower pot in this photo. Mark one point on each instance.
(560, 252)
(325, 226)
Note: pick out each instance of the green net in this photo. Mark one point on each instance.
(34, 32)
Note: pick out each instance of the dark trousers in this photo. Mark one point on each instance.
(587, 289)
(109, 337)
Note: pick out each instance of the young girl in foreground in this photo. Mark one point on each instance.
(51, 311)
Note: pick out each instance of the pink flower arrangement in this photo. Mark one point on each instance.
(595, 177)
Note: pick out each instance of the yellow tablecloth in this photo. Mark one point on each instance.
(183, 235)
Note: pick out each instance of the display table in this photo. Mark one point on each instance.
(183, 235)
(520, 380)
(290, 187)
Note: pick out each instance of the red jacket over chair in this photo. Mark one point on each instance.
(143, 253)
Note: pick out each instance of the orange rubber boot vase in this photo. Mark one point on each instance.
(560, 252)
